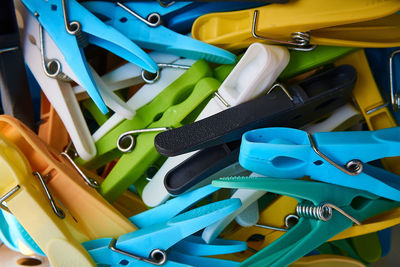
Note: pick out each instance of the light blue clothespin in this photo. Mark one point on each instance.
(72, 26)
(149, 245)
(12, 232)
(142, 23)
(193, 245)
(335, 157)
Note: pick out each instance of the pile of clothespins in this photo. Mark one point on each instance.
(258, 133)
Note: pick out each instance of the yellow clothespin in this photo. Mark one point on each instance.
(358, 23)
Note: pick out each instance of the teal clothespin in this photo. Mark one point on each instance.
(324, 210)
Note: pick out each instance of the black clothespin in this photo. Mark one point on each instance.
(15, 94)
(294, 106)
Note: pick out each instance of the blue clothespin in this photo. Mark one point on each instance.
(324, 210)
(335, 157)
(193, 245)
(72, 26)
(142, 23)
(182, 21)
(149, 245)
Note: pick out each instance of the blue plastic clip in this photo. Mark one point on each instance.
(72, 26)
(338, 157)
(142, 23)
(149, 245)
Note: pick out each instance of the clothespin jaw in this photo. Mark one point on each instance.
(281, 106)
(143, 25)
(322, 26)
(66, 22)
(324, 209)
(340, 158)
(23, 193)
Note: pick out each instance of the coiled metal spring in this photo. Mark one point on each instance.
(321, 212)
(301, 38)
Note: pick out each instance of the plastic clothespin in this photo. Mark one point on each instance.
(106, 146)
(340, 157)
(93, 216)
(24, 194)
(146, 93)
(373, 106)
(71, 26)
(142, 23)
(140, 154)
(335, 23)
(255, 72)
(182, 21)
(327, 260)
(324, 210)
(15, 96)
(51, 129)
(301, 62)
(293, 106)
(149, 244)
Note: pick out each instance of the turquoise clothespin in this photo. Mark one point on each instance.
(84, 27)
(335, 157)
(142, 23)
(324, 210)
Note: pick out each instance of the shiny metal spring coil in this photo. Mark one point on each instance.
(301, 38)
(321, 212)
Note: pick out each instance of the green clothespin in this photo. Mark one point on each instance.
(301, 61)
(95, 112)
(142, 153)
(324, 211)
(368, 247)
(107, 145)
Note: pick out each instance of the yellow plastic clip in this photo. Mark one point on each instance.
(358, 23)
(25, 198)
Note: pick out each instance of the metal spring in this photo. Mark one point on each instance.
(301, 38)
(320, 212)
(82, 39)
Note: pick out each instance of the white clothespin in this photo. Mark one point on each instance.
(147, 92)
(256, 71)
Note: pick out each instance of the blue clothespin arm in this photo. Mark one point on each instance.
(159, 237)
(182, 22)
(336, 157)
(171, 208)
(195, 245)
(201, 261)
(385, 238)
(347, 206)
(92, 30)
(148, 32)
(12, 232)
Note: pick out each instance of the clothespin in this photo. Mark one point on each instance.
(327, 260)
(140, 154)
(255, 72)
(24, 194)
(150, 244)
(94, 216)
(324, 210)
(335, 23)
(321, 55)
(372, 105)
(106, 146)
(340, 157)
(142, 23)
(182, 21)
(316, 95)
(148, 91)
(15, 96)
(68, 22)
